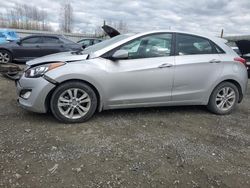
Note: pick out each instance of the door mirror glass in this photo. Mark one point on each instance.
(18, 42)
(120, 54)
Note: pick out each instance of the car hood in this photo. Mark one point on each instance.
(244, 46)
(110, 31)
(63, 56)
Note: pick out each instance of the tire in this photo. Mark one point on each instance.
(65, 101)
(12, 76)
(223, 98)
(5, 56)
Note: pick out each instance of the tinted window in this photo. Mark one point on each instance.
(149, 46)
(51, 40)
(86, 42)
(64, 40)
(191, 45)
(97, 41)
(32, 40)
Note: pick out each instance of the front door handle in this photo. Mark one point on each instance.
(215, 61)
(165, 65)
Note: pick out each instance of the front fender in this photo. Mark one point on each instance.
(87, 72)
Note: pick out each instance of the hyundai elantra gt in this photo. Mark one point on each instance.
(158, 68)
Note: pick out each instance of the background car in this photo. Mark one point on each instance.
(158, 68)
(110, 31)
(86, 42)
(35, 46)
(244, 51)
(8, 36)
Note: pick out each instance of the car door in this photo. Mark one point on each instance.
(51, 45)
(146, 77)
(197, 67)
(28, 48)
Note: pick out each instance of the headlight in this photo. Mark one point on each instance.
(38, 71)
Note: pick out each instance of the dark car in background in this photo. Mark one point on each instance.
(244, 52)
(110, 31)
(35, 46)
(86, 42)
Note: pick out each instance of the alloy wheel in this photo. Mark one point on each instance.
(74, 103)
(225, 98)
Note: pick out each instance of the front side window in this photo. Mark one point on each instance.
(192, 45)
(158, 45)
(31, 40)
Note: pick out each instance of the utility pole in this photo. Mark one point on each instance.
(221, 34)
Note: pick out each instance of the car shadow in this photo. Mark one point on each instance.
(106, 115)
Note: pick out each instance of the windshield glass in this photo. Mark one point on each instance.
(105, 43)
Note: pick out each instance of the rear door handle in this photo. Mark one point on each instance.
(165, 65)
(215, 61)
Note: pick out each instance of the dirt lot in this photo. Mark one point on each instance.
(153, 147)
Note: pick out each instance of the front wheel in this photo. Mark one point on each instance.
(73, 102)
(5, 56)
(224, 98)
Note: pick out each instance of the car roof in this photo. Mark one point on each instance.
(89, 38)
(44, 35)
(181, 32)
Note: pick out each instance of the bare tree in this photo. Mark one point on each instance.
(23, 16)
(66, 17)
(2, 20)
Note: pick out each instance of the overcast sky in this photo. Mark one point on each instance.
(200, 16)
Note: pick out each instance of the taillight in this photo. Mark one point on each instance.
(241, 60)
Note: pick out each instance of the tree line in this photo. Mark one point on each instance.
(23, 16)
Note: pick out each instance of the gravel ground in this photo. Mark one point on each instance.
(152, 147)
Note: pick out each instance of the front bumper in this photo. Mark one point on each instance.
(39, 87)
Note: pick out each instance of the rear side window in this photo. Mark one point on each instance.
(51, 40)
(192, 45)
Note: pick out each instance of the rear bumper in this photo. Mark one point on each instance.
(39, 88)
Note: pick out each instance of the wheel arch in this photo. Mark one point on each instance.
(97, 92)
(236, 83)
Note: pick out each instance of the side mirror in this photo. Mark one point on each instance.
(18, 42)
(120, 54)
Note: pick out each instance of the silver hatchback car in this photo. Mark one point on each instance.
(158, 68)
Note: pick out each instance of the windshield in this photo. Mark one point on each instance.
(105, 43)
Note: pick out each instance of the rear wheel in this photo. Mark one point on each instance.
(73, 102)
(224, 98)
